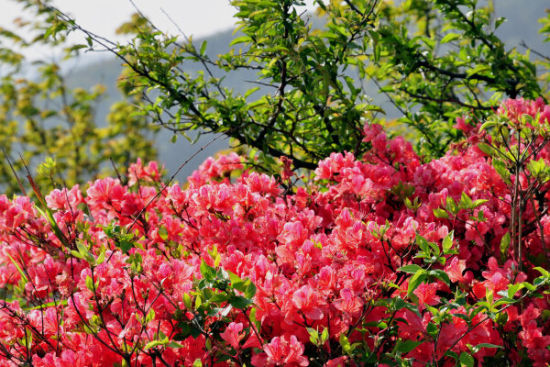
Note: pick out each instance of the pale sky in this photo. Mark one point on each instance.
(194, 17)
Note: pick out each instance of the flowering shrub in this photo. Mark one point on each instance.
(383, 259)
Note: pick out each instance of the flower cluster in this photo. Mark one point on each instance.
(381, 258)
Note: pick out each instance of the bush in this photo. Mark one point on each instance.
(383, 259)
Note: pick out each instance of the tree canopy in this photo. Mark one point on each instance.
(434, 60)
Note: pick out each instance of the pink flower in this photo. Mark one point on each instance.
(284, 351)
(138, 172)
(338, 362)
(348, 302)
(65, 199)
(306, 299)
(233, 335)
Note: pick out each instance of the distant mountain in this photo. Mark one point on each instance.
(521, 26)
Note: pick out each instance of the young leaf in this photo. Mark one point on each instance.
(415, 281)
(447, 244)
(155, 343)
(208, 272)
(440, 213)
(466, 360)
(485, 148)
(313, 336)
(411, 268)
(449, 37)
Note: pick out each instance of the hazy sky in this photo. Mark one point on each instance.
(196, 17)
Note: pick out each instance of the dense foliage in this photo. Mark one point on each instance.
(379, 259)
(434, 60)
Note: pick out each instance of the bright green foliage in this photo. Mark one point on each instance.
(451, 65)
(310, 109)
(434, 60)
(42, 119)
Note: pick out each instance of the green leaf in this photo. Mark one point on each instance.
(242, 39)
(478, 347)
(61, 302)
(423, 244)
(415, 281)
(441, 275)
(478, 203)
(155, 343)
(250, 91)
(19, 270)
(447, 244)
(324, 336)
(125, 245)
(485, 148)
(163, 233)
(542, 271)
(90, 283)
(198, 301)
(449, 37)
(203, 48)
(465, 202)
(101, 258)
(513, 289)
(499, 21)
(218, 297)
(436, 251)
(440, 213)
(411, 268)
(466, 360)
(451, 205)
(208, 272)
(344, 342)
(432, 329)
(27, 341)
(236, 281)
(185, 331)
(406, 346)
(478, 69)
(253, 319)
(313, 336)
(239, 302)
(529, 286)
(539, 281)
(174, 344)
(505, 244)
(487, 125)
(150, 316)
(502, 170)
(250, 290)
